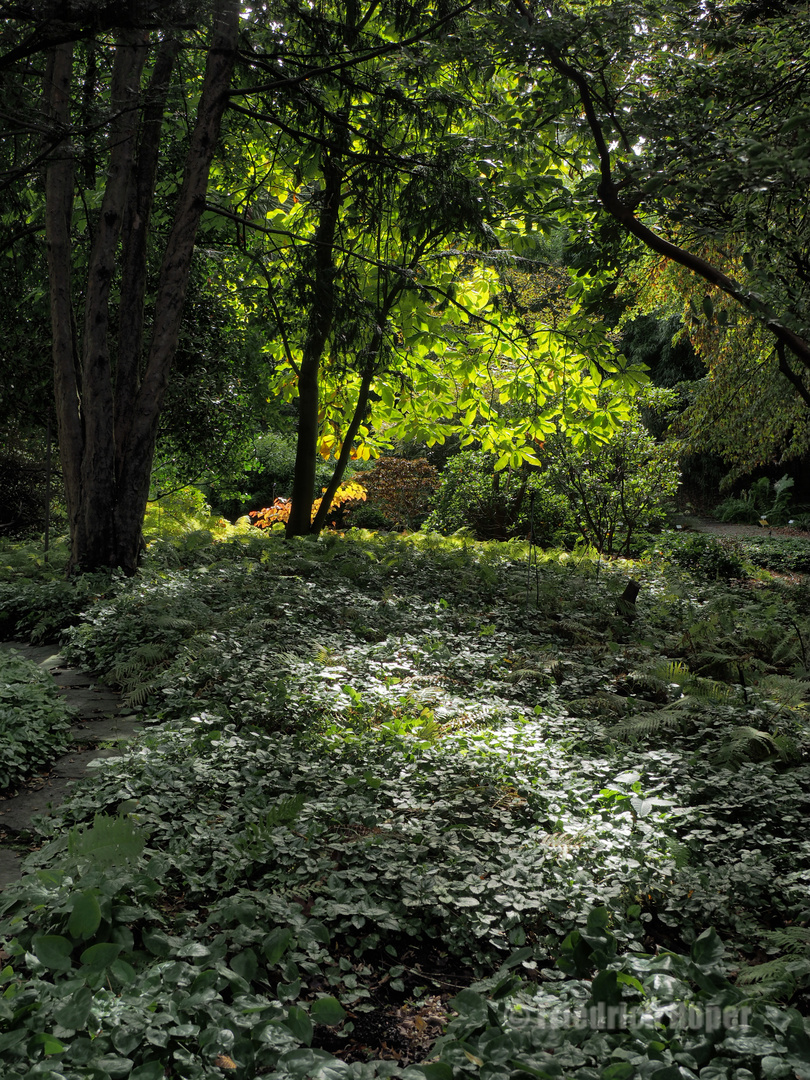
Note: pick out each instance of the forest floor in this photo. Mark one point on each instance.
(394, 788)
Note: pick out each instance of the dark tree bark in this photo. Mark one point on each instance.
(321, 315)
(108, 419)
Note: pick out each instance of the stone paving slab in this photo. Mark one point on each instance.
(9, 867)
(74, 766)
(107, 729)
(16, 812)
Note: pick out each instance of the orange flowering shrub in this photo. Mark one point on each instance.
(347, 496)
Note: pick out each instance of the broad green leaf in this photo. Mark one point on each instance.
(327, 1010)
(619, 1070)
(53, 951)
(114, 1065)
(101, 956)
(153, 1070)
(707, 949)
(300, 1025)
(598, 919)
(246, 964)
(74, 1013)
(437, 1070)
(85, 918)
(156, 942)
(49, 1044)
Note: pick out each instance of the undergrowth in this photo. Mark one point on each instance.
(390, 779)
(34, 721)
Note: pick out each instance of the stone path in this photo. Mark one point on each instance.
(98, 720)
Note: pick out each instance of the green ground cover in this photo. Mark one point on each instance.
(34, 721)
(388, 782)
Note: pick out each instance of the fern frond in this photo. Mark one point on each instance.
(750, 744)
(679, 852)
(519, 674)
(284, 810)
(123, 671)
(173, 622)
(790, 939)
(792, 693)
(673, 674)
(645, 724)
(109, 841)
(152, 652)
(140, 694)
(786, 650)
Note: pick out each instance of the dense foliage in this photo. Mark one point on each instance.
(34, 722)
(379, 770)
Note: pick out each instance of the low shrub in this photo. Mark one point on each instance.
(400, 489)
(499, 505)
(785, 556)
(617, 489)
(38, 610)
(34, 721)
(702, 555)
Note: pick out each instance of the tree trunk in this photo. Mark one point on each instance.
(58, 214)
(322, 309)
(345, 450)
(93, 543)
(135, 463)
(107, 433)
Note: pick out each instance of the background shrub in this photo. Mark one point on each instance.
(399, 490)
(764, 499)
(702, 555)
(498, 506)
(615, 490)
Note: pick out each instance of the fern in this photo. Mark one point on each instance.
(678, 675)
(750, 744)
(140, 694)
(519, 674)
(792, 693)
(646, 724)
(174, 622)
(790, 939)
(256, 837)
(781, 977)
(679, 852)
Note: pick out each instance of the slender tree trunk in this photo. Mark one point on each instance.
(134, 251)
(345, 450)
(321, 314)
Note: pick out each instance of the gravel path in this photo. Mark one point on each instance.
(742, 532)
